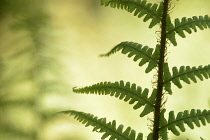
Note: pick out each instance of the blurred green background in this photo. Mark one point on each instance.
(48, 47)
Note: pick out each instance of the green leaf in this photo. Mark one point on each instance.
(150, 136)
(186, 74)
(194, 117)
(124, 91)
(171, 37)
(172, 127)
(146, 54)
(189, 24)
(147, 110)
(140, 136)
(155, 56)
(140, 8)
(167, 75)
(176, 81)
(163, 132)
(101, 126)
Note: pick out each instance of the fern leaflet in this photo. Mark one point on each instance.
(139, 51)
(169, 27)
(187, 73)
(126, 91)
(140, 8)
(101, 126)
(167, 75)
(194, 117)
(188, 24)
(150, 136)
(163, 132)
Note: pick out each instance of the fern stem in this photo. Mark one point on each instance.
(163, 43)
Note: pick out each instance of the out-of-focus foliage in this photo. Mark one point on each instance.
(33, 79)
(29, 69)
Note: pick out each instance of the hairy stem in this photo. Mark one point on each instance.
(160, 72)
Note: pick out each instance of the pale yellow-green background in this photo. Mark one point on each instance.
(75, 33)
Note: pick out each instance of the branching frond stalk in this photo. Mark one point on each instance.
(163, 43)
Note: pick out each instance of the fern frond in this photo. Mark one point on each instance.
(187, 73)
(139, 51)
(102, 126)
(140, 8)
(127, 92)
(189, 24)
(196, 117)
